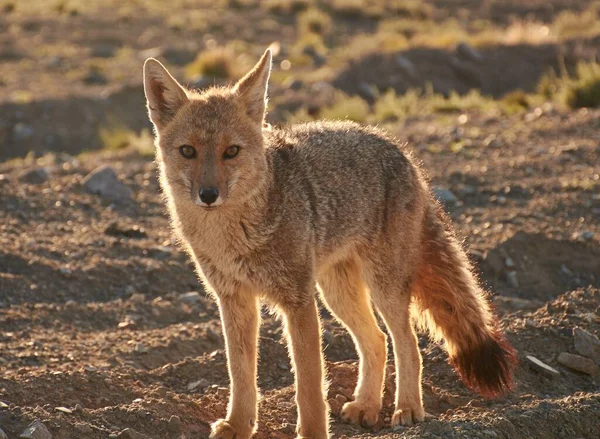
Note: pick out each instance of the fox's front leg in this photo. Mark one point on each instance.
(304, 338)
(240, 318)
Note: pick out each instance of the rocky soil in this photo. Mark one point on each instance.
(105, 331)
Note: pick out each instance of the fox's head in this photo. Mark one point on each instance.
(209, 144)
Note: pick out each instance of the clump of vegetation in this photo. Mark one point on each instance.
(575, 91)
(314, 21)
(584, 90)
(346, 107)
(214, 63)
(569, 24)
(116, 137)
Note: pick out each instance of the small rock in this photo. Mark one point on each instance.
(64, 410)
(134, 231)
(200, 384)
(468, 53)
(564, 269)
(444, 195)
(130, 433)
(509, 262)
(103, 181)
(37, 175)
(191, 297)
(140, 348)
(578, 363)
(36, 430)
(174, 426)
(368, 92)
(406, 66)
(587, 235)
(541, 367)
(587, 344)
(95, 77)
(3, 435)
(3, 405)
(22, 131)
(512, 279)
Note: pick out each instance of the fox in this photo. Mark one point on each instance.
(333, 210)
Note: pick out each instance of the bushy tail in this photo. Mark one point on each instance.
(454, 308)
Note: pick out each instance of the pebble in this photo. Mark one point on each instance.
(542, 367)
(587, 344)
(368, 92)
(512, 279)
(191, 297)
(444, 195)
(3, 435)
(564, 269)
(3, 405)
(509, 262)
(406, 66)
(468, 53)
(140, 348)
(36, 430)
(95, 77)
(579, 363)
(37, 175)
(201, 384)
(118, 230)
(103, 181)
(63, 410)
(22, 131)
(587, 235)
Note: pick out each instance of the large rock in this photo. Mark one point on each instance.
(36, 430)
(579, 363)
(587, 344)
(103, 181)
(36, 175)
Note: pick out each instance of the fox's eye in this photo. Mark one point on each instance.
(187, 151)
(231, 152)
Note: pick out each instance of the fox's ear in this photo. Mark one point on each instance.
(252, 88)
(164, 95)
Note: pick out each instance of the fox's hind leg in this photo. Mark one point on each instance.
(391, 295)
(344, 292)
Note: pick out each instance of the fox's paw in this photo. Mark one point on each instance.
(222, 429)
(357, 412)
(408, 416)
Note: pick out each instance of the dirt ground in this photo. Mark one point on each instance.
(98, 334)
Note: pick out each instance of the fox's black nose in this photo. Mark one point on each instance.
(209, 195)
